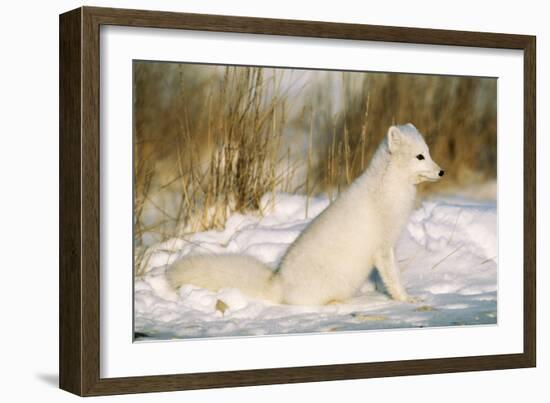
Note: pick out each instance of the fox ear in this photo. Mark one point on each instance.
(394, 138)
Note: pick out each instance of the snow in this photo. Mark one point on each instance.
(447, 254)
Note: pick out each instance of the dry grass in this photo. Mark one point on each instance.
(210, 141)
(456, 114)
(222, 158)
(239, 160)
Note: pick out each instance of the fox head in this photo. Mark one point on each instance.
(409, 150)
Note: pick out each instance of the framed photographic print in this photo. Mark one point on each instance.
(249, 201)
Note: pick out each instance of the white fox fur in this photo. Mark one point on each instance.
(334, 255)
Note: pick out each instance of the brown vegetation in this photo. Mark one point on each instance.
(214, 140)
(456, 114)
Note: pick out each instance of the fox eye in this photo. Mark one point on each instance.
(420, 157)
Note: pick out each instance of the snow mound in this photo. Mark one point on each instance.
(455, 222)
(447, 253)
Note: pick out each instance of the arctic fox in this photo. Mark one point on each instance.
(334, 255)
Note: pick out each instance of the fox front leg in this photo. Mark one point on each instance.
(391, 275)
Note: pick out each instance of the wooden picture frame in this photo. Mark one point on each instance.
(79, 346)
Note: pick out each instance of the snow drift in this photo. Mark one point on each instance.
(447, 253)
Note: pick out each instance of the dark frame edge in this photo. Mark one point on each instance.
(70, 274)
(304, 28)
(90, 202)
(530, 201)
(322, 373)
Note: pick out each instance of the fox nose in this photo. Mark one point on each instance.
(441, 173)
